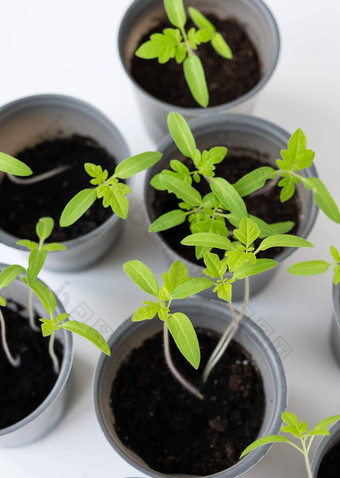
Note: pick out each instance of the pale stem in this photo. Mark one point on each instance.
(219, 350)
(228, 334)
(53, 355)
(305, 453)
(246, 299)
(15, 362)
(31, 311)
(173, 369)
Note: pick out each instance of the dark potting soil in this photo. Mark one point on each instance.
(22, 205)
(266, 206)
(330, 465)
(175, 432)
(227, 80)
(25, 387)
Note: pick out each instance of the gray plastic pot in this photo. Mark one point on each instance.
(28, 121)
(325, 446)
(203, 313)
(335, 329)
(255, 18)
(50, 411)
(244, 132)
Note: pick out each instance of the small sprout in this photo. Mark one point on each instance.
(13, 166)
(299, 431)
(295, 158)
(109, 189)
(316, 267)
(179, 44)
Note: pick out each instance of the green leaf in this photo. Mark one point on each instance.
(77, 206)
(248, 232)
(195, 78)
(309, 268)
(131, 166)
(249, 269)
(181, 53)
(175, 12)
(147, 312)
(177, 275)
(203, 36)
(88, 333)
(335, 254)
(36, 262)
(271, 229)
(192, 287)
(254, 180)
(288, 189)
(47, 327)
(44, 228)
(336, 278)
(228, 196)
(182, 190)
(327, 422)
(208, 239)
(54, 246)
(283, 240)
(265, 441)
(297, 156)
(200, 20)
(119, 204)
(168, 220)
(216, 268)
(142, 276)
(148, 50)
(9, 274)
(221, 46)
(224, 291)
(29, 244)
(185, 337)
(181, 134)
(11, 165)
(2, 302)
(323, 198)
(62, 317)
(45, 295)
(236, 259)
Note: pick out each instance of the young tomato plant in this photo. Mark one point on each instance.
(37, 257)
(299, 431)
(176, 285)
(221, 207)
(293, 160)
(179, 44)
(311, 268)
(240, 263)
(13, 166)
(110, 189)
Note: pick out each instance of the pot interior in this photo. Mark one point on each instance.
(203, 314)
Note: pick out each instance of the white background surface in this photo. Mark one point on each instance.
(69, 47)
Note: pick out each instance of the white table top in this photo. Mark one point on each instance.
(69, 47)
